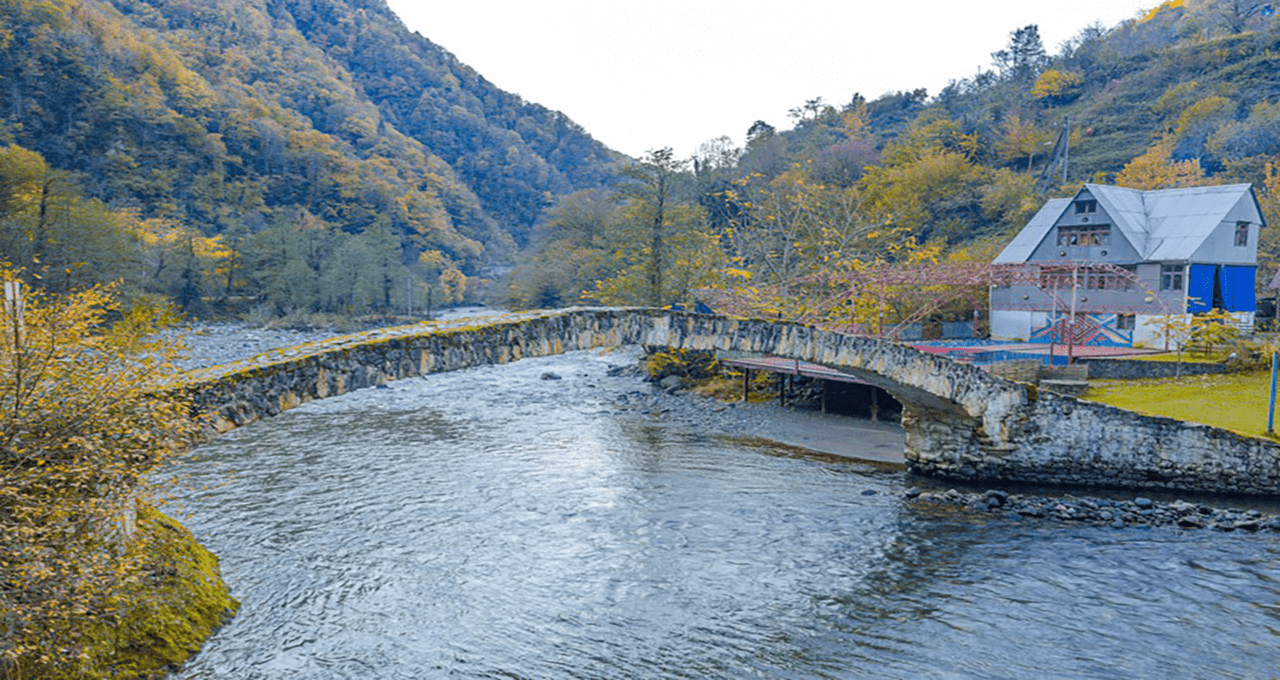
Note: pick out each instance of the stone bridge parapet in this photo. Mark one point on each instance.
(960, 422)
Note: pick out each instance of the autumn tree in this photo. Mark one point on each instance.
(929, 184)
(660, 249)
(1156, 169)
(1020, 139)
(83, 424)
(1056, 87)
(568, 251)
(65, 239)
(1197, 123)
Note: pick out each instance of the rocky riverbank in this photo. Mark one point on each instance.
(1101, 512)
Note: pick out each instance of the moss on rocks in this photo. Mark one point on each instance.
(179, 601)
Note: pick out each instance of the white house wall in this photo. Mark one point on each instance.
(1148, 331)
(1220, 247)
(1011, 324)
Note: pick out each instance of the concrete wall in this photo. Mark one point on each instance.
(960, 421)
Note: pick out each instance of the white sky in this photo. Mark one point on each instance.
(644, 75)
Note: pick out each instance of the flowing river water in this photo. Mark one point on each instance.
(491, 524)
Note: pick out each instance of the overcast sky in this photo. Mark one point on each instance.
(644, 75)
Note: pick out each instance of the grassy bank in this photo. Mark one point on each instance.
(1234, 401)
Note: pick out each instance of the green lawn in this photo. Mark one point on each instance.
(1235, 401)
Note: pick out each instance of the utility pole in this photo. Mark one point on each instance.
(1066, 147)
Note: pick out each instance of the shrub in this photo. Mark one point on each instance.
(81, 426)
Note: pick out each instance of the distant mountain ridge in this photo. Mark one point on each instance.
(232, 115)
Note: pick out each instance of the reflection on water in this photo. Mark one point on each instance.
(490, 524)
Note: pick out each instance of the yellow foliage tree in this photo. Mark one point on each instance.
(1166, 5)
(1156, 169)
(453, 286)
(81, 427)
(936, 195)
(1058, 87)
(1020, 139)
(1269, 239)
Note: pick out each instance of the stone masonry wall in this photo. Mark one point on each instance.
(1130, 369)
(1068, 441)
(960, 422)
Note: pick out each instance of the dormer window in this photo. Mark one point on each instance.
(1242, 233)
(1086, 206)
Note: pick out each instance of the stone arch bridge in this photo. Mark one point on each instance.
(960, 422)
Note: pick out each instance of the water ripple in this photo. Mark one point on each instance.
(488, 524)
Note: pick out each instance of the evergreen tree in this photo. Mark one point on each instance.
(1024, 57)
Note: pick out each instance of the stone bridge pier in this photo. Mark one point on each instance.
(961, 422)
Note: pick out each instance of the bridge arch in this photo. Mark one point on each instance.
(960, 422)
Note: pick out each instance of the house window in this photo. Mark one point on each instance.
(1124, 322)
(1171, 277)
(1096, 235)
(1087, 278)
(1242, 233)
(1088, 206)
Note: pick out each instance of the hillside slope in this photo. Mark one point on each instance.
(231, 116)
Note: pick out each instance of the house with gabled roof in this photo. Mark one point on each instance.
(1110, 263)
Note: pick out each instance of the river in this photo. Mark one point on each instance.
(492, 524)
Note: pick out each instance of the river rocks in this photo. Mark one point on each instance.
(671, 384)
(550, 376)
(1101, 512)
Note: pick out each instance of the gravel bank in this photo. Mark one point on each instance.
(216, 344)
(837, 435)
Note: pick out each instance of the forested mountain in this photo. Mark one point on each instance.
(267, 148)
(1187, 94)
(314, 155)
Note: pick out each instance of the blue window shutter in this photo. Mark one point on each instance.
(1200, 288)
(1237, 289)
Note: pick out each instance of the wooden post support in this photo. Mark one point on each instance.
(826, 385)
(746, 383)
(875, 403)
